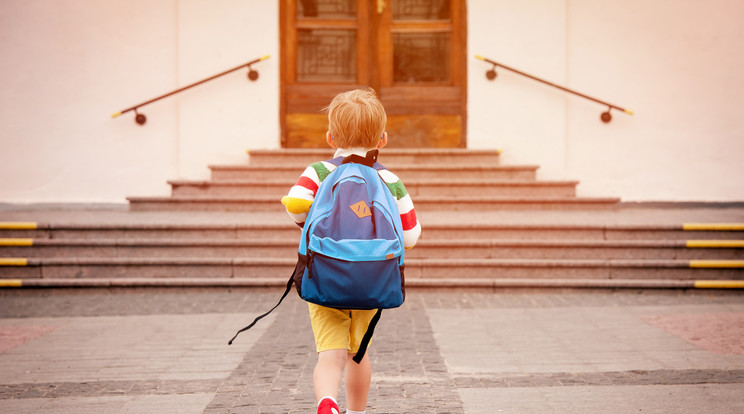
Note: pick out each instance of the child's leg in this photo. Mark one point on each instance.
(358, 376)
(358, 379)
(331, 330)
(328, 372)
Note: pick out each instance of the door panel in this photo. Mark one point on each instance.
(421, 58)
(421, 100)
(326, 55)
(412, 52)
(305, 123)
(424, 131)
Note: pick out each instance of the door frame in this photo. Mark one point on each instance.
(400, 100)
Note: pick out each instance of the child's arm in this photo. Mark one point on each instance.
(301, 196)
(411, 225)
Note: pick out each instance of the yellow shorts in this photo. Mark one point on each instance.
(339, 328)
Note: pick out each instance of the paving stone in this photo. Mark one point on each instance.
(414, 356)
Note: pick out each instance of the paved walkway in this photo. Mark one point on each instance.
(531, 351)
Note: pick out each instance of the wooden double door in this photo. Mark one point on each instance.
(412, 52)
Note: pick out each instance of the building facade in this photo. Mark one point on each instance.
(69, 64)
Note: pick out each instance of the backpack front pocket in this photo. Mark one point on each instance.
(356, 250)
(367, 284)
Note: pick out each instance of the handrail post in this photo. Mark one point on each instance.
(605, 116)
(140, 118)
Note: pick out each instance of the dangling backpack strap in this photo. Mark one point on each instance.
(286, 292)
(296, 276)
(367, 337)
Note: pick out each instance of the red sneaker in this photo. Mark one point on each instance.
(328, 406)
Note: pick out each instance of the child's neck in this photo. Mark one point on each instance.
(345, 152)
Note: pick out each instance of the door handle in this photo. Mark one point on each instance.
(380, 6)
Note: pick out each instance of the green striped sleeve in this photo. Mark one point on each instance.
(321, 169)
(398, 189)
(395, 185)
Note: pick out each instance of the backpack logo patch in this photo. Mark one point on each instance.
(361, 209)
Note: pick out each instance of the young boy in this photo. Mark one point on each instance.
(356, 124)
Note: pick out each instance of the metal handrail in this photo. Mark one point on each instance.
(605, 117)
(141, 118)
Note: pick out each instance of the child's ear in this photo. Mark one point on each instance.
(329, 140)
(383, 141)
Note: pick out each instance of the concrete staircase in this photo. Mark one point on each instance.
(494, 226)
(437, 179)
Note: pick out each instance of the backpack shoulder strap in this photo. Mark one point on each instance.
(336, 161)
(369, 160)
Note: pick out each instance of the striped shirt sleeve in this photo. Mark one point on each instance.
(411, 225)
(301, 195)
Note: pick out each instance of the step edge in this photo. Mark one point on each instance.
(409, 183)
(716, 244)
(732, 227)
(393, 167)
(393, 151)
(416, 283)
(479, 262)
(419, 199)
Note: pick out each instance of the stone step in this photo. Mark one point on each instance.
(285, 231)
(431, 188)
(432, 231)
(459, 283)
(104, 268)
(426, 249)
(474, 203)
(146, 248)
(406, 172)
(387, 156)
(561, 249)
(451, 231)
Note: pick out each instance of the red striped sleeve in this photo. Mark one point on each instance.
(408, 220)
(308, 183)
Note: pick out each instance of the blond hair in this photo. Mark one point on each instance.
(356, 119)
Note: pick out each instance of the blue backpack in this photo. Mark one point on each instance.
(351, 251)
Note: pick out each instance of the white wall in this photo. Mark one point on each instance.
(514, 113)
(676, 63)
(69, 64)
(220, 120)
